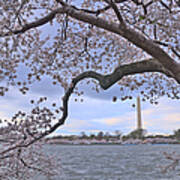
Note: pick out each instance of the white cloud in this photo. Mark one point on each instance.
(95, 114)
(164, 117)
(112, 121)
(108, 121)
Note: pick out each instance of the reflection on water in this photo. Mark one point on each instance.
(114, 162)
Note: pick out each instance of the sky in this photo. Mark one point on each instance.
(97, 112)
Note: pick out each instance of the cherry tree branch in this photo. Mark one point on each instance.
(144, 6)
(133, 36)
(31, 167)
(116, 10)
(127, 32)
(46, 19)
(175, 161)
(98, 11)
(166, 45)
(105, 81)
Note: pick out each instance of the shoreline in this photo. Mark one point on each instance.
(148, 141)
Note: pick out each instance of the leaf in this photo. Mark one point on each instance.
(141, 17)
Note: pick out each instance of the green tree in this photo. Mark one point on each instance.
(92, 136)
(137, 134)
(177, 134)
(83, 135)
(118, 134)
(107, 135)
(100, 135)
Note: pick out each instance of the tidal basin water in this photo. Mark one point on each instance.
(114, 162)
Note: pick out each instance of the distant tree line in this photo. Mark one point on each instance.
(101, 135)
(117, 135)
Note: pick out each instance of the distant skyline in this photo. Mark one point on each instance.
(98, 112)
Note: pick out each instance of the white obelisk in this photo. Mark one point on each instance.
(139, 122)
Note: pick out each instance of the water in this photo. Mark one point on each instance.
(114, 162)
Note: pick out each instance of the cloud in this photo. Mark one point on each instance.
(111, 121)
(94, 114)
(165, 122)
(173, 118)
(3, 115)
(98, 109)
(103, 94)
(46, 88)
(114, 121)
(164, 117)
(76, 126)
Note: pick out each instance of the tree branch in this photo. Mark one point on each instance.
(105, 81)
(174, 158)
(116, 10)
(96, 12)
(127, 32)
(32, 167)
(133, 36)
(166, 45)
(36, 23)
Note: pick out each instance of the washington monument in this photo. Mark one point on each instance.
(139, 121)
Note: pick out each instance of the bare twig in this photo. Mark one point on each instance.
(166, 45)
(96, 12)
(166, 6)
(174, 164)
(175, 52)
(35, 24)
(61, 2)
(116, 10)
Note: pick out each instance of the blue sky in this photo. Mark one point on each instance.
(98, 112)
